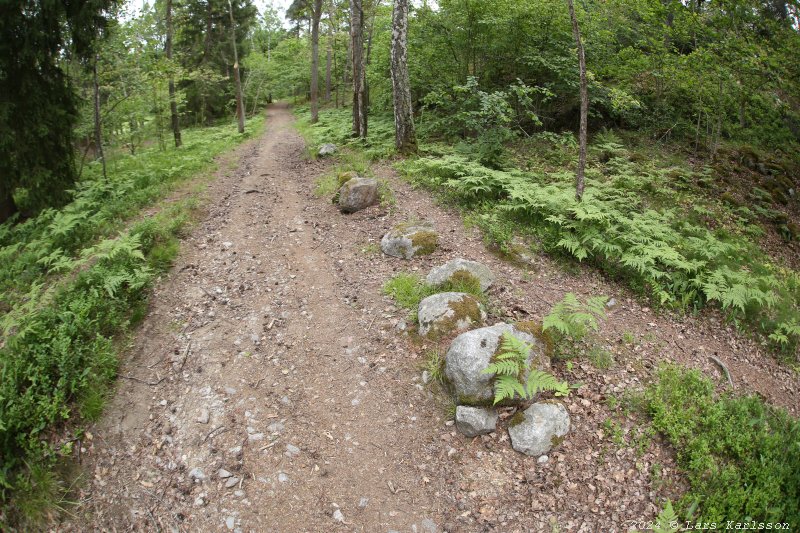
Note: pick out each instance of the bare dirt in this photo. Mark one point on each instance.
(269, 353)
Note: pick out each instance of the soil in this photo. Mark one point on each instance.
(270, 352)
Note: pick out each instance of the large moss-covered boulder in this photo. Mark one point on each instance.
(447, 312)
(461, 271)
(407, 240)
(471, 353)
(357, 194)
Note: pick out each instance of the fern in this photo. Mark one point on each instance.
(510, 366)
(573, 319)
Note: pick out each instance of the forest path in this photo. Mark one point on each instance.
(270, 352)
(257, 358)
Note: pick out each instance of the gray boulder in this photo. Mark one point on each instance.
(471, 352)
(542, 427)
(474, 421)
(327, 149)
(357, 194)
(449, 311)
(407, 240)
(458, 270)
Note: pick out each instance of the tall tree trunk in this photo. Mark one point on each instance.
(98, 132)
(315, 16)
(404, 135)
(579, 175)
(237, 80)
(328, 61)
(173, 105)
(359, 72)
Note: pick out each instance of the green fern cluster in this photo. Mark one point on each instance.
(574, 319)
(638, 223)
(510, 368)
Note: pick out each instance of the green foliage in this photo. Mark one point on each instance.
(407, 290)
(634, 223)
(573, 319)
(513, 375)
(741, 456)
(667, 520)
(73, 280)
(434, 364)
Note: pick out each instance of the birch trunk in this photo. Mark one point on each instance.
(579, 175)
(405, 137)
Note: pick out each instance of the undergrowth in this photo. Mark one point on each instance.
(408, 290)
(741, 456)
(72, 281)
(635, 225)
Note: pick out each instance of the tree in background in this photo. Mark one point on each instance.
(582, 133)
(316, 13)
(173, 104)
(359, 70)
(236, 78)
(37, 103)
(405, 137)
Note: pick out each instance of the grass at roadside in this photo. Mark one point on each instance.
(72, 282)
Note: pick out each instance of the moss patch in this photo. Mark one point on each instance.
(424, 241)
(517, 419)
(534, 328)
(344, 177)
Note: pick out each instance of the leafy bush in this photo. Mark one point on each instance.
(741, 456)
(573, 319)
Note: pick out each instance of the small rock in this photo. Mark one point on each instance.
(426, 377)
(338, 516)
(611, 303)
(199, 501)
(203, 416)
(292, 450)
(327, 149)
(460, 270)
(232, 482)
(197, 473)
(474, 421)
(230, 522)
(542, 428)
(223, 474)
(363, 502)
(357, 194)
(407, 240)
(542, 459)
(253, 437)
(429, 526)
(445, 312)
(283, 478)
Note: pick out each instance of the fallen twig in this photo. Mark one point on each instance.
(724, 368)
(151, 383)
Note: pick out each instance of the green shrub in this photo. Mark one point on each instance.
(741, 456)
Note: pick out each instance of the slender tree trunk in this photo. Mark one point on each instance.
(173, 104)
(405, 137)
(328, 61)
(315, 16)
(359, 72)
(98, 131)
(579, 175)
(237, 80)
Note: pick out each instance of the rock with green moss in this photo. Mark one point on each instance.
(474, 421)
(407, 240)
(472, 352)
(344, 177)
(447, 312)
(541, 427)
(357, 194)
(461, 271)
